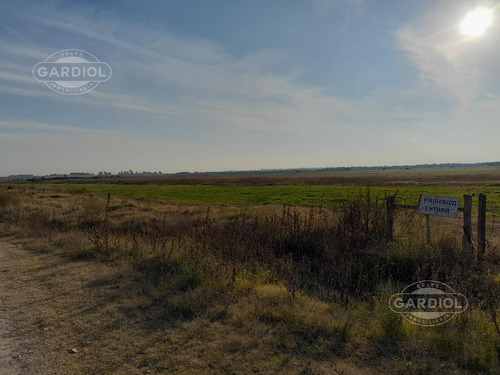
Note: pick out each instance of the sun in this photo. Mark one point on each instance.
(476, 22)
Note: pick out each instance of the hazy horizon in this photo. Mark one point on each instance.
(312, 169)
(249, 85)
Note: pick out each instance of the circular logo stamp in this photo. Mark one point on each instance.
(428, 303)
(72, 72)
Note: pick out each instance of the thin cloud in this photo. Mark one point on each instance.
(456, 65)
(9, 126)
(188, 104)
(212, 87)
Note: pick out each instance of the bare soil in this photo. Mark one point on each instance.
(45, 305)
(9, 335)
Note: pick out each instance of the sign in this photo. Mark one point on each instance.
(439, 206)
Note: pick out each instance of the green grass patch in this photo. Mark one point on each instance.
(326, 196)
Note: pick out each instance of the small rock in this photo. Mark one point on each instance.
(73, 351)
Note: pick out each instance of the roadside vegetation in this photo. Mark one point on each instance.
(275, 289)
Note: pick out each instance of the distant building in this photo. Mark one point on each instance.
(20, 177)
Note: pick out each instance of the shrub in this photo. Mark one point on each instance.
(101, 233)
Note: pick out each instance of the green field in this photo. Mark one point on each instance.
(299, 195)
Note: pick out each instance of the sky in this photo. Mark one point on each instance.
(217, 85)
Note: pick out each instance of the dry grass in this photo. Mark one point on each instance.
(425, 176)
(142, 287)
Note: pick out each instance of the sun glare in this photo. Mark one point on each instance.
(476, 22)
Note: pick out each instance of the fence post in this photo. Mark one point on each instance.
(466, 237)
(428, 228)
(481, 226)
(389, 228)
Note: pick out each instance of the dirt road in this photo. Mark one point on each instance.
(45, 303)
(8, 359)
(10, 342)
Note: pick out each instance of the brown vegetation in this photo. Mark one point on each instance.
(421, 176)
(179, 289)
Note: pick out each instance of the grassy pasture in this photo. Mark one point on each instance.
(155, 282)
(326, 196)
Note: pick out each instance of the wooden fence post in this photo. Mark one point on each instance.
(481, 226)
(467, 235)
(389, 229)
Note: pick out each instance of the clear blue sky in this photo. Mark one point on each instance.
(232, 84)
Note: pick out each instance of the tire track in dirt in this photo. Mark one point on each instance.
(48, 307)
(39, 293)
(9, 344)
